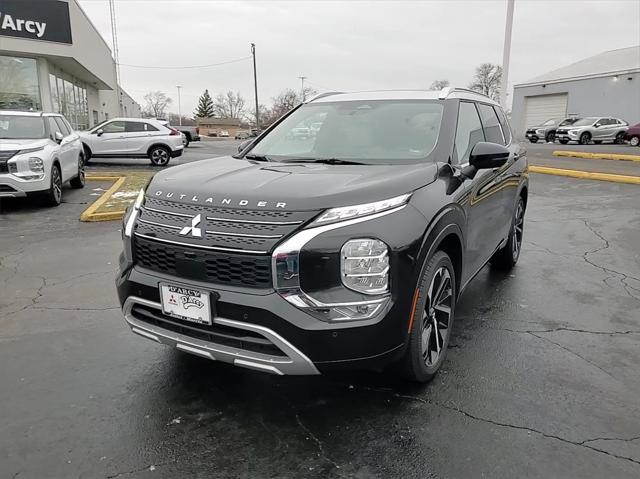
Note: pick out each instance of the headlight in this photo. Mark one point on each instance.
(364, 264)
(347, 212)
(36, 164)
(539, 132)
(573, 132)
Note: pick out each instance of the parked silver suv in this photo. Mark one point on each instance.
(596, 129)
(38, 153)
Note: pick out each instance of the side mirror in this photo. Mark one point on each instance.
(100, 132)
(243, 145)
(58, 137)
(487, 155)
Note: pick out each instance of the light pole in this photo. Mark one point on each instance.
(506, 53)
(179, 106)
(255, 84)
(302, 79)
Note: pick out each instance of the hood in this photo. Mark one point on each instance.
(12, 145)
(235, 183)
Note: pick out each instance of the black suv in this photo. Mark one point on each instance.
(343, 249)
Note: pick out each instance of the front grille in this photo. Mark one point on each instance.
(561, 131)
(215, 333)
(204, 265)
(4, 157)
(531, 131)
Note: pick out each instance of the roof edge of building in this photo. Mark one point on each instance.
(579, 77)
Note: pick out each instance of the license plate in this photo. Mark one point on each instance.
(186, 303)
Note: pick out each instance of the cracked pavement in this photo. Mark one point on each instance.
(541, 379)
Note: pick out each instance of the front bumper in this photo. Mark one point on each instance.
(177, 153)
(306, 345)
(14, 187)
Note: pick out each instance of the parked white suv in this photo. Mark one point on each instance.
(132, 138)
(38, 153)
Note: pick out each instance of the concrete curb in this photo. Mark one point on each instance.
(90, 214)
(586, 175)
(596, 156)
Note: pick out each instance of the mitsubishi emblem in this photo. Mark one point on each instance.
(193, 229)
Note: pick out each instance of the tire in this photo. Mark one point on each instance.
(564, 142)
(53, 196)
(634, 140)
(551, 137)
(87, 153)
(186, 143)
(507, 256)
(619, 138)
(159, 155)
(533, 140)
(585, 138)
(422, 358)
(78, 181)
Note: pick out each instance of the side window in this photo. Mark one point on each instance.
(149, 127)
(114, 127)
(469, 131)
(136, 126)
(506, 129)
(64, 120)
(62, 126)
(54, 128)
(492, 130)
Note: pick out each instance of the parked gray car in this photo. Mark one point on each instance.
(547, 130)
(593, 129)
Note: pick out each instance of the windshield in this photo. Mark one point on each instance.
(585, 122)
(19, 127)
(569, 121)
(550, 122)
(381, 131)
(98, 126)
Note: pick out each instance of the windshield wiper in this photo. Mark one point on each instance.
(257, 157)
(327, 161)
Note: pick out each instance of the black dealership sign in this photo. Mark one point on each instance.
(45, 20)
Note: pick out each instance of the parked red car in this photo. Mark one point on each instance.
(633, 135)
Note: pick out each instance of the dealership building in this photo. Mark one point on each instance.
(52, 58)
(607, 84)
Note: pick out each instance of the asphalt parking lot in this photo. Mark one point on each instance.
(541, 380)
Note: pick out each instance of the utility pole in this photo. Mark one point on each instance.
(116, 55)
(255, 84)
(302, 79)
(506, 54)
(179, 107)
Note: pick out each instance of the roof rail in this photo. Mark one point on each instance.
(448, 90)
(322, 95)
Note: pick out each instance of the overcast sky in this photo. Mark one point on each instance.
(358, 45)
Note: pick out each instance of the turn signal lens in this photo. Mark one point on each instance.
(365, 266)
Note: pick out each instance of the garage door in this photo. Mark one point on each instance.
(541, 108)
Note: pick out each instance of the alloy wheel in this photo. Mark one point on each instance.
(634, 141)
(56, 184)
(159, 156)
(518, 227)
(81, 172)
(436, 318)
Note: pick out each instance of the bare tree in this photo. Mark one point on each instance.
(156, 104)
(439, 85)
(287, 100)
(487, 80)
(229, 105)
(265, 116)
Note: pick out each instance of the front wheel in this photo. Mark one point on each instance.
(619, 138)
(159, 155)
(53, 196)
(564, 142)
(585, 138)
(634, 141)
(533, 140)
(507, 256)
(551, 136)
(432, 320)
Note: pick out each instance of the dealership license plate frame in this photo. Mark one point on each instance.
(181, 309)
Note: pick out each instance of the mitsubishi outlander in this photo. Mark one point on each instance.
(344, 249)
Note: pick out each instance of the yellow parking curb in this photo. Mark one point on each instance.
(596, 156)
(586, 175)
(90, 213)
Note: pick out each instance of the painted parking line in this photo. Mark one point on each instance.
(586, 175)
(91, 214)
(596, 156)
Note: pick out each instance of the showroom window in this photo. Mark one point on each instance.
(19, 87)
(69, 97)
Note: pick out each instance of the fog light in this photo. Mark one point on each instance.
(365, 266)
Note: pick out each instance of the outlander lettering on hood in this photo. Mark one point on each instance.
(210, 200)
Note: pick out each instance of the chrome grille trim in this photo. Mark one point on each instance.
(243, 235)
(281, 223)
(159, 224)
(192, 245)
(171, 213)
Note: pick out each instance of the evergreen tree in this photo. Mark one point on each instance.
(205, 106)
